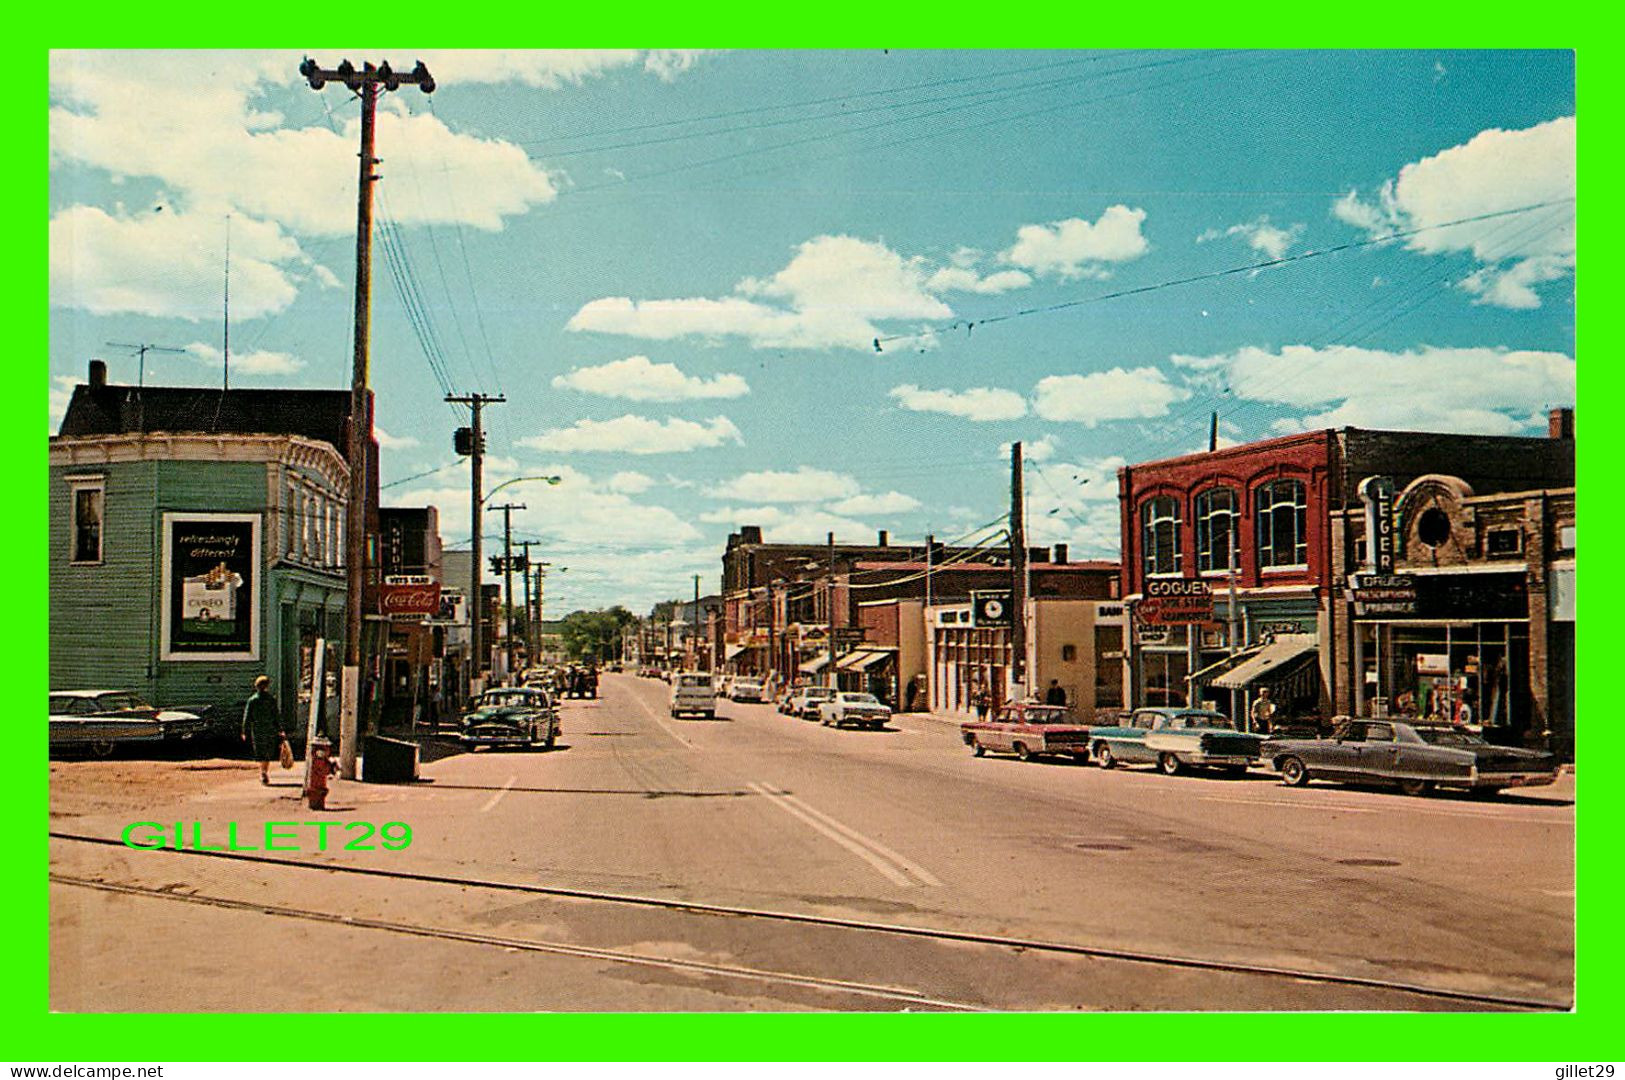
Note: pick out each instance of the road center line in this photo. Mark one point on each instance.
(667, 728)
(493, 800)
(925, 876)
(886, 869)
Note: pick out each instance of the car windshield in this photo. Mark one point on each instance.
(110, 702)
(694, 681)
(861, 699)
(819, 692)
(509, 697)
(1447, 737)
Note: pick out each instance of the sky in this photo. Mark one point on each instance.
(824, 291)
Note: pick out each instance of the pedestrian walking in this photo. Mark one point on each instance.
(981, 701)
(1055, 695)
(1263, 711)
(262, 726)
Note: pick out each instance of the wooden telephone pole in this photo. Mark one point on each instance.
(367, 83)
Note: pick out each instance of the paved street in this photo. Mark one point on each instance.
(1130, 890)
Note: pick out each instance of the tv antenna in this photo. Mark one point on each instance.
(141, 351)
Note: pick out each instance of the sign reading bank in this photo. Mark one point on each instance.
(210, 601)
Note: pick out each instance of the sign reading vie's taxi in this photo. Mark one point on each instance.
(210, 602)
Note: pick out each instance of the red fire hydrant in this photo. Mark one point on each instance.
(321, 763)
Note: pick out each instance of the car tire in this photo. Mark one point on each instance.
(547, 744)
(1170, 764)
(1022, 753)
(1104, 757)
(102, 747)
(1415, 787)
(1293, 772)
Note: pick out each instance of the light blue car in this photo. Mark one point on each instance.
(1175, 739)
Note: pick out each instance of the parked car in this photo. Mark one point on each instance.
(693, 692)
(1028, 731)
(510, 716)
(1416, 757)
(749, 690)
(805, 701)
(99, 720)
(1174, 739)
(848, 707)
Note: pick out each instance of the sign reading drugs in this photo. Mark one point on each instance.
(210, 592)
(1175, 602)
(1383, 594)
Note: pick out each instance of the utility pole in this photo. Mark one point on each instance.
(530, 623)
(470, 442)
(1018, 579)
(772, 640)
(507, 570)
(367, 84)
(832, 681)
(696, 622)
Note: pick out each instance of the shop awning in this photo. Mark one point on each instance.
(861, 659)
(733, 651)
(815, 665)
(1276, 660)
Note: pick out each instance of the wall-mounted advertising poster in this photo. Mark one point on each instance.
(211, 590)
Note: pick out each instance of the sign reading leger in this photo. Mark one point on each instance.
(210, 597)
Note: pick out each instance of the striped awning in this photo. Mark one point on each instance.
(733, 651)
(1273, 662)
(815, 665)
(862, 659)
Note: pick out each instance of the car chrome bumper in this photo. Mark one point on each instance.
(1504, 780)
(1219, 759)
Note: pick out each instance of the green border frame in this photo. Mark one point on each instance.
(1589, 1033)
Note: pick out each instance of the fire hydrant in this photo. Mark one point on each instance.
(321, 763)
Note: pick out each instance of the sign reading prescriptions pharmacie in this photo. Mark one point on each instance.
(1175, 601)
(210, 594)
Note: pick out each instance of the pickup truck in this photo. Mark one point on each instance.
(1029, 731)
(693, 692)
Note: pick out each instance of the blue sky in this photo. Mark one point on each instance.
(675, 264)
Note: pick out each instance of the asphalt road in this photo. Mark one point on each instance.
(859, 870)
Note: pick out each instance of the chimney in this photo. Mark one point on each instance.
(1559, 423)
(831, 540)
(1060, 553)
(750, 534)
(882, 537)
(98, 374)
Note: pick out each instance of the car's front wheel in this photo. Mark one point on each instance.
(1022, 753)
(1104, 757)
(1415, 787)
(1293, 773)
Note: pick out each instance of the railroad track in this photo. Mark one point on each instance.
(1052, 948)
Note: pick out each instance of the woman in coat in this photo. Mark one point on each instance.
(262, 726)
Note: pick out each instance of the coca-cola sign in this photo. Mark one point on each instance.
(409, 602)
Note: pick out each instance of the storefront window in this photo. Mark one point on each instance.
(1472, 673)
(1159, 518)
(1217, 521)
(1280, 510)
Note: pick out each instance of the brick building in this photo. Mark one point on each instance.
(1276, 524)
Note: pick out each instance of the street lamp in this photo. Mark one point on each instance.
(552, 480)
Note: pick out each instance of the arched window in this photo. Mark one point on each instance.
(1218, 518)
(1159, 522)
(1283, 537)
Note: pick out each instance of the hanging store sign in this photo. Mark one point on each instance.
(990, 608)
(210, 594)
(1377, 492)
(409, 598)
(1175, 602)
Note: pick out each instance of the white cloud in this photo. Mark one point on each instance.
(831, 294)
(799, 525)
(1075, 503)
(637, 379)
(1118, 394)
(1079, 248)
(254, 362)
(631, 434)
(892, 502)
(977, 403)
(169, 264)
(1494, 171)
(805, 484)
(1482, 390)
(386, 441)
(206, 138)
(1269, 240)
(630, 483)
(963, 279)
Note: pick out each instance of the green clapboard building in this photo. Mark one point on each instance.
(197, 541)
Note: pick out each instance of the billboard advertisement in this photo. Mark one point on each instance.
(210, 593)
